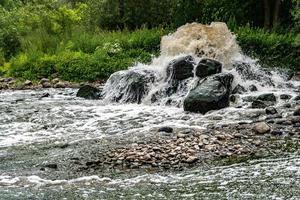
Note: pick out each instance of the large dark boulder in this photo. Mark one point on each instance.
(211, 94)
(88, 92)
(128, 86)
(207, 67)
(181, 68)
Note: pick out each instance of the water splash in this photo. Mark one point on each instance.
(213, 41)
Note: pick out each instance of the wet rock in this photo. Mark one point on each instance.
(285, 96)
(260, 104)
(261, 128)
(297, 98)
(232, 98)
(181, 68)
(88, 92)
(271, 111)
(267, 97)
(166, 129)
(287, 105)
(252, 88)
(285, 73)
(210, 94)
(207, 67)
(239, 90)
(247, 72)
(295, 119)
(44, 95)
(296, 76)
(297, 111)
(129, 86)
(46, 85)
(51, 165)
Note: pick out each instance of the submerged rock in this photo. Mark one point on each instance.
(88, 92)
(181, 68)
(211, 94)
(207, 67)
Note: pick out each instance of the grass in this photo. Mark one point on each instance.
(89, 56)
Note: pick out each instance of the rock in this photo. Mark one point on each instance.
(129, 86)
(211, 94)
(88, 92)
(285, 73)
(166, 129)
(44, 80)
(297, 98)
(54, 81)
(44, 95)
(28, 83)
(267, 97)
(192, 159)
(239, 89)
(247, 72)
(252, 88)
(296, 76)
(271, 111)
(297, 111)
(60, 84)
(285, 96)
(261, 128)
(181, 68)
(46, 85)
(295, 119)
(207, 67)
(287, 105)
(232, 98)
(260, 104)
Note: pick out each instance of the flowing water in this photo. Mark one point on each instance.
(37, 131)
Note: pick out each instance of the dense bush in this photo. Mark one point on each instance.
(84, 55)
(273, 50)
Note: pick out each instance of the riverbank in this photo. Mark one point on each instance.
(95, 56)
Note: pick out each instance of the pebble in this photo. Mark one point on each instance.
(261, 128)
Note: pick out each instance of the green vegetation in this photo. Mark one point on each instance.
(83, 40)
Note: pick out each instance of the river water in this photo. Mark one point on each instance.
(29, 124)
